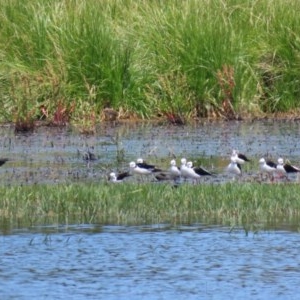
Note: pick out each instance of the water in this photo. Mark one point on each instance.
(52, 155)
(96, 261)
(148, 262)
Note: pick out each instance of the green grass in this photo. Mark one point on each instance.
(244, 205)
(148, 58)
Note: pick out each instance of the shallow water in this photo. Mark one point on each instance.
(51, 155)
(95, 261)
(148, 262)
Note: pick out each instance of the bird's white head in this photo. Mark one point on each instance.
(280, 161)
(262, 161)
(173, 162)
(234, 152)
(112, 176)
(183, 161)
(189, 164)
(132, 165)
(139, 160)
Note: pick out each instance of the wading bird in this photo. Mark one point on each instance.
(239, 157)
(234, 167)
(142, 164)
(174, 170)
(283, 169)
(140, 170)
(113, 177)
(184, 170)
(198, 170)
(268, 167)
(188, 172)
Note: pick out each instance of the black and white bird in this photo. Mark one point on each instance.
(174, 170)
(268, 167)
(239, 157)
(198, 170)
(113, 177)
(185, 171)
(284, 169)
(140, 170)
(142, 164)
(234, 167)
(188, 172)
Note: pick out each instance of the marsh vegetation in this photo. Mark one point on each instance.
(251, 206)
(68, 61)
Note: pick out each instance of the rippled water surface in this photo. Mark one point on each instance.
(97, 261)
(149, 262)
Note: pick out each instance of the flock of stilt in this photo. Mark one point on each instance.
(187, 171)
(281, 169)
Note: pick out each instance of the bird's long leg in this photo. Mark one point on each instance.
(261, 176)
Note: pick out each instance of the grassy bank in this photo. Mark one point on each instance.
(65, 61)
(246, 205)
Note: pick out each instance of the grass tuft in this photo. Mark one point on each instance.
(247, 205)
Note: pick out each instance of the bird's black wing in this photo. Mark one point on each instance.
(243, 157)
(202, 172)
(123, 175)
(144, 165)
(291, 169)
(271, 164)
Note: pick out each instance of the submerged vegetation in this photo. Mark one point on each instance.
(232, 204)
(67, 61)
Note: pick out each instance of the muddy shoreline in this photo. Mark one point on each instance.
(275, 117)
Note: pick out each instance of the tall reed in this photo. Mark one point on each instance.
(149, 58)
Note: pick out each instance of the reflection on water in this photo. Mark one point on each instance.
(153, 262)
(51, 155)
